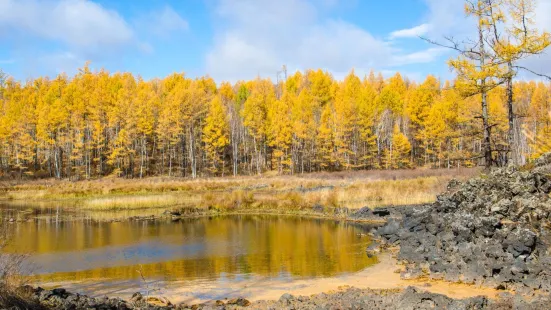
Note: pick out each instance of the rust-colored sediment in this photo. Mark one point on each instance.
(382, 276)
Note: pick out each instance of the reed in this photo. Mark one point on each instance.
(136, 202)
(350, 189)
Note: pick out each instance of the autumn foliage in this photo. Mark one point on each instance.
(99, 124)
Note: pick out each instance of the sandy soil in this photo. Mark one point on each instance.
(380, 276)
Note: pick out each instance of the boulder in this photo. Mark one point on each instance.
(492, 229)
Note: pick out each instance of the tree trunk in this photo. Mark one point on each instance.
(487, 146)
(192, 159)
(513, 156)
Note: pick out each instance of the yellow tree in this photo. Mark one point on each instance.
(145, 111)
(170, 130)
(541, 143)
(97, 107)
(366, 120)
(233, 104)
(540, 130)
(445, 129)
(477, 67)
(398, 156)
(393, 95)
(255, 114)
(320, 84)
(280, 130)
(52, 120)
(389, 106)
(216, 134)
(521, 40)
(123, 125)
(16, 129)
(346, 106)
(303, 117)
(418, 109)
(326, 140)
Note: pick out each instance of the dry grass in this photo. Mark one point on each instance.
(339, 189)
(136, 202)
(12, 270)
(389, 193)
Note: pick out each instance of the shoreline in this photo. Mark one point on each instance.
(379, 277)
(378, 281)
(353, 189)
(376, 216)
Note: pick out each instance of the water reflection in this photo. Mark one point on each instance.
(192, 249)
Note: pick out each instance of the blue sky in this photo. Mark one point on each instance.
(228, 39)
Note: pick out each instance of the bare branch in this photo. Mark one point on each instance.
(454, 45)
(533, 72)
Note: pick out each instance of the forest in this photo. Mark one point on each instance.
(97, 124)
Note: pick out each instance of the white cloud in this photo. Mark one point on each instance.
(80, 24)
(162, 23)
(447, 18)
(255, 38)
(411, 32)
(543, 18)
(51, 36)
(540, 63)
(424, 56)
(63, 34)
(337, 44)
(61, 62)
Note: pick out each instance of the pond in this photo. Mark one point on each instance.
(217, 251)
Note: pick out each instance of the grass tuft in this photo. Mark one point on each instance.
(339, 189)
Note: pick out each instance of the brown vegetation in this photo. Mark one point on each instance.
(11, 274)
(340, 189)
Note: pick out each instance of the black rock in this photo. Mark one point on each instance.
(490, 230)
(381, 212)
(318, 208)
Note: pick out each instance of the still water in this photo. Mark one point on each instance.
(232, 248)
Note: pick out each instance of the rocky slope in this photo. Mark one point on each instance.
(491, 230)
(349, 298)
(408, 299)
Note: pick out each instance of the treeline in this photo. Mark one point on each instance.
(97, 124)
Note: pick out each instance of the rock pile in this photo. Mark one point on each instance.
(408, 299)
(349, 298)
(379, 214)
(354, 298)
(491, 230)
(59, 298)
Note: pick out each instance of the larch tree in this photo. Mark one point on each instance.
(478, 68)
(145, 110)
(346, 106)
(418, 109)
(96, 123)
(280, 130)
(255, 113)
(233, 104)
(326, 140)
(216, 134)
(398, 154)
(539, 131)
(520, 40)
(366, 116)
(303, 117)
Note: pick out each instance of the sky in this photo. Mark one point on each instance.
(233, 40)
